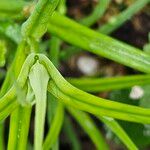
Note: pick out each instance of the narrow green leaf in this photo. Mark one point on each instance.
(36, 25)
(2, 136)
(112, 83)
(16, 9)
(124, 16)
(98, 12)
(8, 101)
(97, 43)
(118, 130)
(19, 127)
(2, 53)
(71, 134)
(55, 128)
(39, 79)
(90, 128)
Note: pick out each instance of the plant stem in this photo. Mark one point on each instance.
(9, 79)
(8, 102)
(58, 83)
(55, 128)
(101, 107)
(19, 127)
(36, 25)
(54, 50)
(97, 43)
(16, 6)
(90, 128)
(124, 16)
(2, 145)
(39, 77)
(113, 24)
(16, 9)
(98, 12)
(118, 130)
(112, 83)
(54, 106)
(72, 96)
(71, 134)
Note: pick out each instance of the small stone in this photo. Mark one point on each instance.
(136, 92)
(88, 65)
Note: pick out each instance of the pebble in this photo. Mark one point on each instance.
(136, 92)
(88, 65)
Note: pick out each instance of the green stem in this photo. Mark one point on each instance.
(124, 16)
(118, 130)
(2, 145)
(71, 134)
(112, 83)
(54, 50)
(8, 102)
(39, 78)
(113, 24)
(90, 128)
(19, 127)
(97, 43)
(16, 6)
(98, 12)
(55, 128)
(101, 107)
(36, 25)
(9, 79)
(15, 67)
(54, 107)
(77, 98)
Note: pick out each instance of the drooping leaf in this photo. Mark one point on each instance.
(39, 77)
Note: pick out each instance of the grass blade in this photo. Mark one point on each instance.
(112, 83)
(36, 25)
(98, 12)
(71, 134)
(90, 128)
(39, 79)
(97, 43)
(55, 128)
(19, 127)
(116, 21)
(118, 130)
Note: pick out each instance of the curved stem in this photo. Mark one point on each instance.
(70, 95)
(98, 12)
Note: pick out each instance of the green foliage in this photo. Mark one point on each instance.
(36, 25)
(2, 52)
(39, 73)
(30, 75)
(137, 132)
(127, 14)
(97, 43)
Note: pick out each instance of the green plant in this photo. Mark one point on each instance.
(31, 74)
